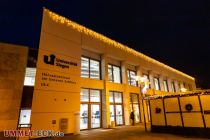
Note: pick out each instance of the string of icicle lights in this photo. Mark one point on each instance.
(57, 18)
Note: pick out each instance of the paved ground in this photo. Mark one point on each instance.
(122, 133)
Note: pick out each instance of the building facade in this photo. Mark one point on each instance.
(80, 79)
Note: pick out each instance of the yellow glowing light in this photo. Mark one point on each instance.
(183, 89)
(57, 18)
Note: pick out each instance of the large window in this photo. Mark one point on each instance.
(131, 78)
(30, 77)
(157, 85)
(90, 68)
(114, 74)
(116, 107)
(173, 87)
(165, 84)
(90, 108)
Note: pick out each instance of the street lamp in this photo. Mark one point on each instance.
(142, 81)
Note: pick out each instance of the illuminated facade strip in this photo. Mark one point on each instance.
(57, 18)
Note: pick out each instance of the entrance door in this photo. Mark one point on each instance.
(116, 107)
(90, 109)
(134, 104)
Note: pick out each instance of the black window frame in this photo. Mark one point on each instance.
(113, 73)
(129, 78)
(89, 58)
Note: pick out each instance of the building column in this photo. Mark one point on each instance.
(151, 79)
(161, 83)
(105, 93)
(126, 94)
(169, 85)
(176, 86)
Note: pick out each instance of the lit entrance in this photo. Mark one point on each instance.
(90, 109)
(134, 105)
(116, 107)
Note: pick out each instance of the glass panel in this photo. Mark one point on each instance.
(129, 78)
(94, 69)
(117, 97)
(25, 116)
(156, 84)
(85, 67)
(84, 96)
(110, 73)
(119, 115)
(136, 112)
(30, 77)
(95, 95)
(133, 80)
(111, 98)
(95, 116)
(83, 116)
(116, 72)
(112, 115)
(134, 98)
(165, 85)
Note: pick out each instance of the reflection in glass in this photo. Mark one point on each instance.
(118, 97)
(131, 78)
(30, 77)
(85, 67)
(111, 97)
(94, 69)
(110, 73)
(94, 95)
(165, 85)
(156, 83)
(84, 96)
(112, 115)
(134, 98)
(136, 112)
(95, 116)
(116, 73)
(119, 115)
(83, 116)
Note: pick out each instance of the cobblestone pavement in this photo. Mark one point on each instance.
(122, 133)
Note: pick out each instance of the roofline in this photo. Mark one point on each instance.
(89, 32)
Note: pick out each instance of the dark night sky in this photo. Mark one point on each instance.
(175, 32)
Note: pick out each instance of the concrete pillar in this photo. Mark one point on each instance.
(105, 93)
(176, 86)
(169, 85)
(151, 78)
(161, 83)
(77, 123)
(126, 94)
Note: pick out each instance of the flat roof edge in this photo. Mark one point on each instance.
(82, 29)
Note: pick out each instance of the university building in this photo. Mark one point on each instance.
(79, 79)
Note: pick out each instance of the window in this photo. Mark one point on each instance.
(173, 87)
(114, 74)
(165, 84)
(157, 85)
(134, 106)
(30, 77)
(116, 107)
(131, 78)
(90, 68)
(90, 108)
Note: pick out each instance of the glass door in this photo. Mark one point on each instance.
(95, 116)
(119, 115)
(90, 109)
(134, 104)
(84, 116)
